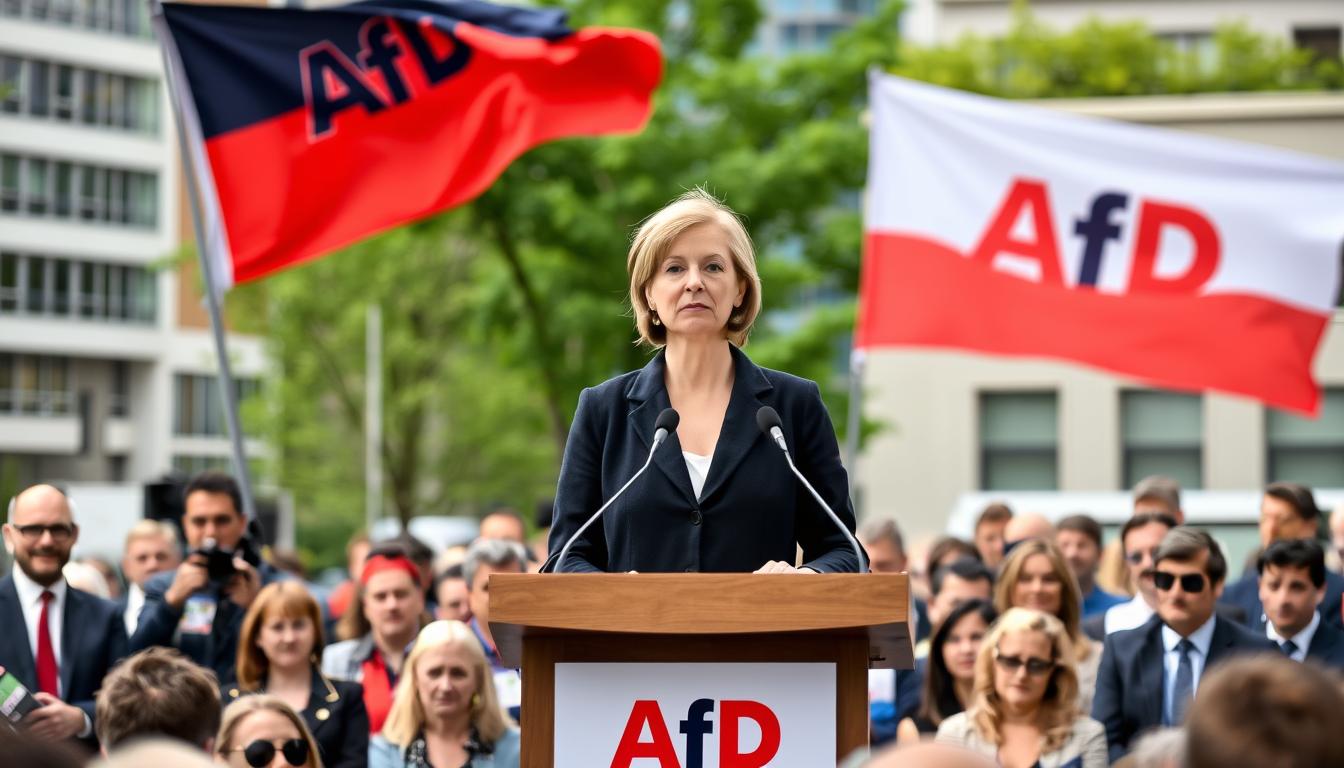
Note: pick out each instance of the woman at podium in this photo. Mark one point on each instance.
(719, 495)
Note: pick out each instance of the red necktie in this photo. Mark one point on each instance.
(48, 675)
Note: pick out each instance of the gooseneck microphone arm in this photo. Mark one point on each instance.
(665, 425)
(769, 423)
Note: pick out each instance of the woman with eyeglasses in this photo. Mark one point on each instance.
(445, 713)
(278, 651)
(264, 732)
(1035, 575)
(949, 669)
(1024, 708)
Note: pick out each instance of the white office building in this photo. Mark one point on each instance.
(106, 360)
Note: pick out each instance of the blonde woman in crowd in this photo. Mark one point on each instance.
(1035, 575)
(264, 732)
(445, 712)
(1024, 712)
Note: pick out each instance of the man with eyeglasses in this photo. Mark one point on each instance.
(57, 641)
(1139, 539)
(1149, 675)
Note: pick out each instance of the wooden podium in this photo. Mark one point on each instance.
(854, 621)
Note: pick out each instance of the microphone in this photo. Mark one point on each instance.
(767, 420)
(664, 426)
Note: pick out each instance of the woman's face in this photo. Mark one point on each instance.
(1022, 669)
(963, 645)
(696, 287)
(287, 642)
(264, 725)
(1038, 586)
(446, 682)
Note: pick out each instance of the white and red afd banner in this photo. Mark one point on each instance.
(673, 715)
(1183, 261)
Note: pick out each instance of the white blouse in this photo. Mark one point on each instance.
(698, 468)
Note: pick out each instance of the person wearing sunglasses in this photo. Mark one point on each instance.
(1024, 707)
(948, 673)
(1150, 675)
(445, 712)
(264, 732)
(278, 649)
(1140, 537)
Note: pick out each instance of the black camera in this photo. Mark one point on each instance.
(219, 561)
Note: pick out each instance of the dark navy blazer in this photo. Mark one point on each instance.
(752, 509)
(336, 717)
(1327, 645)
(1130, 688)
(93, 639)
(1245, 594)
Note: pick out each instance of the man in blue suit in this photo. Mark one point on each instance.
(1149, 675)
(58, 641)
(1292, 584)
(1287, 511)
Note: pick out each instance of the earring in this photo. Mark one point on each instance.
(654, 318)
(475, 702)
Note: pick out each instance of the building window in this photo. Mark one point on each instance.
(35, 385)
(191, 466)
(198, 409)
(1323, 42)
(40, 187)
(124, 17)
(1162, 433)
(43, 285)
(1019, 441)
(1307, 451)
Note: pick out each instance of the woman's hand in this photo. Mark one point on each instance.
(779, 566)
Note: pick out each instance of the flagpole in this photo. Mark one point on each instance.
(854, 418)
(242, 472)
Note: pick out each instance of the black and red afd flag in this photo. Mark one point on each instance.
(313, 129)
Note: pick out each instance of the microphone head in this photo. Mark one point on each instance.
(668, 420)
(767, 419)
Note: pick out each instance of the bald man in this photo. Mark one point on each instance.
(58, 641)
(1027, 526)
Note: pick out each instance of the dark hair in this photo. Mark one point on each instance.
(1295, 553)
(946, 545)
(1145, 519)
(1184, 544)
(1299, 497)
(158, 692)
(965, 569)
(996, 512)
(1081, 524)
(404, 545)
(214, 482)
(31, 752)
(939, 699)
(450, 573)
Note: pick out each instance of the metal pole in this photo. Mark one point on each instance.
(373, 416)
(241, 471)
(854, 419)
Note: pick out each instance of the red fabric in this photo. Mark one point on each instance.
(383, 563)
(916, 292)
(48, 674)
(377, 691)
(338, 602)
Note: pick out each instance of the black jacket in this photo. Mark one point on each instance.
(1327, 645)
(1245, 594)
(93, 639)
(1130, 688)
(752, 509)
(336, 717)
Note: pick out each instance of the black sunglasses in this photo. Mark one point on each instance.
(1035, 667)
(260, 753)
(1192, 583)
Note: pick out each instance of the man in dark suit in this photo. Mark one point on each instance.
(1149, 675)
(58, 641)
(1292, 585)
(184, 608)
(1287, 511)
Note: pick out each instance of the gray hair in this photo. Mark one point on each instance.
(882, 529)
(1160, 487)
(495, 553)
(1184, 543)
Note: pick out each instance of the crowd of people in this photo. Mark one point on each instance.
(1039, 644)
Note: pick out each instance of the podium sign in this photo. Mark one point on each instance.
(695, 715)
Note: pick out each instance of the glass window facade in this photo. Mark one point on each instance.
(1162, 434)
(1019, 441)
(122, 17)
(198, 409)
(72, 288)
(35, 385)
(41, 89)
(44, 187)
(1307, 451)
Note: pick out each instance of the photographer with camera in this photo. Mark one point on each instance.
(199, 608)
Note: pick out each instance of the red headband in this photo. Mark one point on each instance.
(383, 563)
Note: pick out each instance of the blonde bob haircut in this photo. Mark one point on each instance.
(283, 599)
(1070, 594)
(406, 718)
(238, 711)
(653, 241)
(1059, 707)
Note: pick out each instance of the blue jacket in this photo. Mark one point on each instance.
(1245, 594)
(506, 754)
(1129, 682)
(1327, 645)
(93, 639)
(752, 509)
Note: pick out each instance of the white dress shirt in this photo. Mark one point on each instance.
(135, 602)
(1130, 615)
(1302, 639)
(1201, 639)
(697, 467)
(30, 600)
